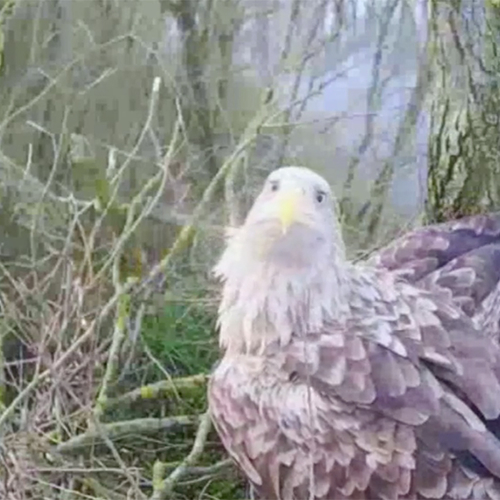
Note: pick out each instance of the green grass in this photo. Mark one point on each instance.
(182, 337)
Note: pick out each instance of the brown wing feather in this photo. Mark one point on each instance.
(442, 391)
(423, 250)
(461, 257)
(472, 282)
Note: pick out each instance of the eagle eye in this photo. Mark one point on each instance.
(275, 185)
(320, 196)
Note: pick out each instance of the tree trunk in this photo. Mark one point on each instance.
(464, 146)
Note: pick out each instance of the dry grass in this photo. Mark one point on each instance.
(74, 313)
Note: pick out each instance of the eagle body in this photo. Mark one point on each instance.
(355, 381)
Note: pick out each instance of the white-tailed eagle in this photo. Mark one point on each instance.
(377, 380)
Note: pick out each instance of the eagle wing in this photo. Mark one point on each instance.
(461, 257)
(425, 402)
(420, 252)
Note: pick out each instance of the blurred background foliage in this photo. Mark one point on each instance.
(133, 133)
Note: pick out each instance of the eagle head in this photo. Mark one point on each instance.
(284, 269)
(292, 223)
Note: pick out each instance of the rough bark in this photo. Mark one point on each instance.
(464, 150)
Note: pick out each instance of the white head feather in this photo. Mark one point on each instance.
(284, 270)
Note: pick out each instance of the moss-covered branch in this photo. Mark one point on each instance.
(158, 390)
(163, 488)
(117, 430)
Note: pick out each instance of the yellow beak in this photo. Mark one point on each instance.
(287, 208)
